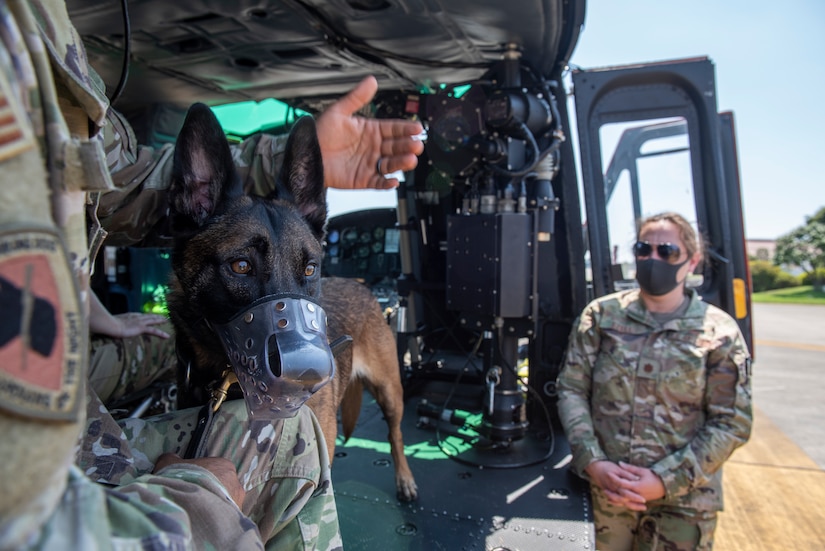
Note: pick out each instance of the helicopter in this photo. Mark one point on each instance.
(522, 210)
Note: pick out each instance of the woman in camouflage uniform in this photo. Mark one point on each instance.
(654, 396)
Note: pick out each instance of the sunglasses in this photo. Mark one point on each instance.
(666, 251)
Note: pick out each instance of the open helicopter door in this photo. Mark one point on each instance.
(651, 140)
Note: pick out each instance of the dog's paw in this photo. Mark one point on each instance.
(407, 488)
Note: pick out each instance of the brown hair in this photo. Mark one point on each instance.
(686, 232)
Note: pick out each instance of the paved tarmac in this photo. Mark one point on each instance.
(789, 372)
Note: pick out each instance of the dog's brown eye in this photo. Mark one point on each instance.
(309, 271)
(242, 267)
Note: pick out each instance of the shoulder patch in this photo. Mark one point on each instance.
(16, 135)
(42, 349)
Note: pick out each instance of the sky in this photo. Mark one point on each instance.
(770, 72)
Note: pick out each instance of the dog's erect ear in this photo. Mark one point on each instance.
(302, 176)
(203, 173)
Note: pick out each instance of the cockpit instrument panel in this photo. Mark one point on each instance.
(363, 244)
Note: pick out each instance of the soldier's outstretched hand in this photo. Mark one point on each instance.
(358, 151)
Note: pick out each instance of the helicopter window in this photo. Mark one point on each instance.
(648, 171)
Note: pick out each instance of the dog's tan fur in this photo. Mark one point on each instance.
(372, 362)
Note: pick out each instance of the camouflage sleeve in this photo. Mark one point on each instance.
(259, 159)
(186, 498)
(574, 385)
(147, 514)
(136, 209)
(728, 418)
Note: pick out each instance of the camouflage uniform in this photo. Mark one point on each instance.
(673, 397)
(121, 366)
(51, 169)
(283, 466)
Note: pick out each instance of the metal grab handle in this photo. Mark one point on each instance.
(493, 379)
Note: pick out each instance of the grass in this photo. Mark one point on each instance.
(804, 294)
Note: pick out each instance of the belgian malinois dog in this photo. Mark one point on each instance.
(232, 250)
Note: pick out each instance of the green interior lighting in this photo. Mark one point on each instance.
(248, 117)
(430, 450)
(459, 91)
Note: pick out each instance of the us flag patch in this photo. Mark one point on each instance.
(15, 131)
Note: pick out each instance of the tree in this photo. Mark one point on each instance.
(766, 276)
(805, 247)
(819, 216)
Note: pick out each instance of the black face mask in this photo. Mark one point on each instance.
(657, 277)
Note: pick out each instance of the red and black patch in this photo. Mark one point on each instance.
(42, 348)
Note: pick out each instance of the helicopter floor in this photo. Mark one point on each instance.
(471, 497)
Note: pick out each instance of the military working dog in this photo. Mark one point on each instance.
(232, 250)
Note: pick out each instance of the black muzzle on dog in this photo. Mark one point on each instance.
(279, 350)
